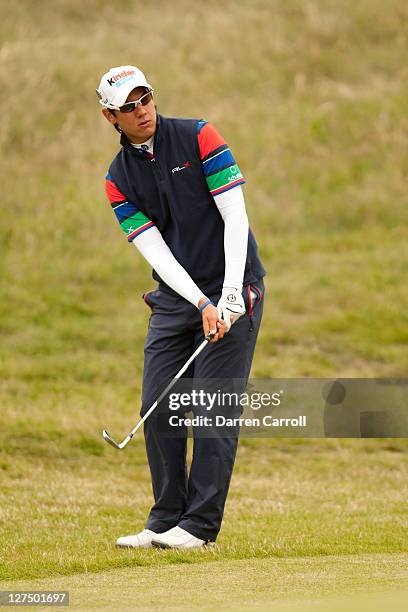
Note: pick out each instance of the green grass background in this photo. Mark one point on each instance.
(312, 98)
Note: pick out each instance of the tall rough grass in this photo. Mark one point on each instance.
(311, 97)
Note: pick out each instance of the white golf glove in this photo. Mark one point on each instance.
(230, 305)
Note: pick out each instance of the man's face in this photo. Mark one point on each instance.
(138, 125)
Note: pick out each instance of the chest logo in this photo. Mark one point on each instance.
(180, 168)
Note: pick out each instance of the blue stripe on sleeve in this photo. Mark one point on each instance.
(124, 211)
(218, 162)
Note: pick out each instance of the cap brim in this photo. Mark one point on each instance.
(120, 98)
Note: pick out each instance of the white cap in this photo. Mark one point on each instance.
(116, 85)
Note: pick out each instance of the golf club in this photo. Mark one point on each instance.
(109, 438)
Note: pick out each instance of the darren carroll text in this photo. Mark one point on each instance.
(222, 421)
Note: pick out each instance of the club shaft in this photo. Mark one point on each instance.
(180, 373)
(169, 386)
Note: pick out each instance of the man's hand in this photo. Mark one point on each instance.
(212, 323)
(231, 306)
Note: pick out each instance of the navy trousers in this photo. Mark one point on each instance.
(195, 500)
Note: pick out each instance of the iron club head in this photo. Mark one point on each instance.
(110, 440)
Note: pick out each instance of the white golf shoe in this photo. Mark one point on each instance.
(140, 540)
(177, 538)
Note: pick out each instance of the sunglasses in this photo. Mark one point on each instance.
(143, 101)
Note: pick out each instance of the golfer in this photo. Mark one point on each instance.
(176, 191)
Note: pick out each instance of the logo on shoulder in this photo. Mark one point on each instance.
(180, 168)
(235, 174)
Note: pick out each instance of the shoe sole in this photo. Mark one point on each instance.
(160, 545)
(163, 545)
(129, 546)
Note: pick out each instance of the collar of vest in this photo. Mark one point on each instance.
(126, 144)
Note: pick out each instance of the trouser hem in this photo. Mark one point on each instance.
(159, 526)
(206, 535)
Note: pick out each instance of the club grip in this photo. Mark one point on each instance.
(209, 336)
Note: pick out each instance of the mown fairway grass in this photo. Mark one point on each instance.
(64, 505)
(312, 98)
(303, 584)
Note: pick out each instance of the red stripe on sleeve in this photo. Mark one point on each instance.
(113, 192)
(209, 140)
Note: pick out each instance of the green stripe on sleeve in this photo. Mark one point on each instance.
(224, 177)
(134, 222)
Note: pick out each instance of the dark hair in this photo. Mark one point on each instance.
(115, 125)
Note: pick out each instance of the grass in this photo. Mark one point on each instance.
(263, 584)
(312, 98)
(83, 495)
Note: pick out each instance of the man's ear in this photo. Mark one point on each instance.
(108, 115)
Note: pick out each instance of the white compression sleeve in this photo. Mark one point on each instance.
(231, 205)
(153, 248)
